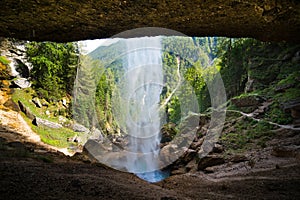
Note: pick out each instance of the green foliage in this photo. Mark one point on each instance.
(55, 137)
(234, 55)
(277, 115)
(174, 111)
(54, 68)
(4, 60)
(246, 134)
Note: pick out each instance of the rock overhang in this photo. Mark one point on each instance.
(66, 20)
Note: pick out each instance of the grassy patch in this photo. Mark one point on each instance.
(26, 95)
(55, 137)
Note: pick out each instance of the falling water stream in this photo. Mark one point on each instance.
(137, 107)
(141, 90)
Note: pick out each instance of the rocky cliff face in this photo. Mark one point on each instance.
(14, 51)
(67, 20)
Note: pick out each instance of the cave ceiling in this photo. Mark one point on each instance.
(66, 20)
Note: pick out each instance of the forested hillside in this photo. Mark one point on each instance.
(261, 80)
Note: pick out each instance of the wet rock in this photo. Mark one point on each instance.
(169, 153)
(43, 122)
(188, 155)
(209, 161)
(26, 110)
(296, 123)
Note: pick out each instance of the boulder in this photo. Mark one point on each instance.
(26, 110)
(43, 122)
(22, 83)
(37, 102)
(96, 134)
(80, 128)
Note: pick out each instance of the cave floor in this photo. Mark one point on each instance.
(30, 171)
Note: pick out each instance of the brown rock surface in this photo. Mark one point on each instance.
(66, 20)
(30, 169)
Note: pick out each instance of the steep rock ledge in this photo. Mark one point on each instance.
(65, 20)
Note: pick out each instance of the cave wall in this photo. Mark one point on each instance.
(66, 20)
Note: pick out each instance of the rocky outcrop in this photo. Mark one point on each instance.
(15, 52)
(67, 20)
(80, 128)
(43, 122)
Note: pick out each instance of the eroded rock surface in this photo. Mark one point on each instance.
(67, 20)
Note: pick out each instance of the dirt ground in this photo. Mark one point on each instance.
(31, 170)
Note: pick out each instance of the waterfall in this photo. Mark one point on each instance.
(140, 91)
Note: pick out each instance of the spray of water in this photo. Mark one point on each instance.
(140, 91)
(137, 107)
